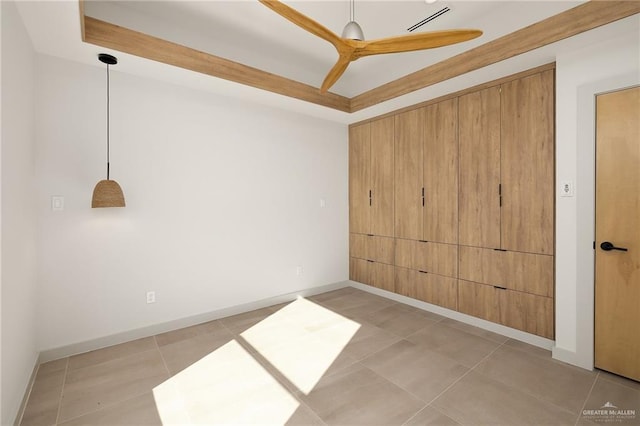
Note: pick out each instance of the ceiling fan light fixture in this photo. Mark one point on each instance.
(353, 31)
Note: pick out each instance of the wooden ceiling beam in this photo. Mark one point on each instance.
(122, 39)
(574, 21)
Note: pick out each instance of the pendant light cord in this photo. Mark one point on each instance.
(352, 9)
(108, 122)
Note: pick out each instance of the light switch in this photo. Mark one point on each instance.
(323, 203)
(566, 188)
(57, 203)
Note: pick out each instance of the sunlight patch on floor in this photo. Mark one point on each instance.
(302, 340)
(230, 386)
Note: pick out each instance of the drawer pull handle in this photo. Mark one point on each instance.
(499, 288)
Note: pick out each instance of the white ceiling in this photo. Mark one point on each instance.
(249, 33)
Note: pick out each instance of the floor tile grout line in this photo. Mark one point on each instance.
(628, 386)
(64, 382)
(104, 407)
(164, 362)
(136, 395)
(415, 414)
(465, 374)
(593, 385)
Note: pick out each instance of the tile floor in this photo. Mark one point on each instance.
(345, 357)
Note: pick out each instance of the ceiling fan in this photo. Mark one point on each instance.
(352, 46)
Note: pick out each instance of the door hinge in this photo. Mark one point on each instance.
(594, 245)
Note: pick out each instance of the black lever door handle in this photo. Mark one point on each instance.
(607, 246)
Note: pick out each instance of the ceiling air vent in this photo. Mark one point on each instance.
(429, 18)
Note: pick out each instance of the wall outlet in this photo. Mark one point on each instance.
(566, 188)
(151, 297)
(298, 270)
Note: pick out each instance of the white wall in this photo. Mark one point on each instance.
(580, 75)
(18, 223)
(222, 202)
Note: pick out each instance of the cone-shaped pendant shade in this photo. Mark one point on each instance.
(107, 193)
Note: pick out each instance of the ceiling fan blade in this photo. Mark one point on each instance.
(411, 42)
(302, 21)
(335, 73)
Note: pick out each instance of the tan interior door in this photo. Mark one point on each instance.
(617, 287)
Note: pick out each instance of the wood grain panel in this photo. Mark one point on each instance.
(359, 178)
(582, 18)
(382, 276)
(380, 249)
(479, 300)
(359, 270)
(436, 289)
(405, 283)
(358, 245)
(408, 174)
(372, 247)
(465, 91)
(527, 164)
(527, 312)
(617, 286)
(441, 172)
(143, 45)
(382, 141)
(530, 273)
(436, 258)
(479, 138)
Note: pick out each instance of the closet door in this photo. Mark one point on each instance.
(382, 135)
(408, 174)
(528, 164)
(479, 138)
(359, 178)
(441, 172)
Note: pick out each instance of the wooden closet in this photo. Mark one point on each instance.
(452, 202)
(371, 192)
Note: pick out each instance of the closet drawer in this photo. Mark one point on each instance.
(479, 300)
(371, 247)
(527, 312)
(530, 273)
(515, 309)
(430, 288)
(375, 274)
(437, 258)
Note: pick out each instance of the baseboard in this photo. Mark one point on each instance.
(570, 357)
(114, 339)
(27, 393)
(512, 333)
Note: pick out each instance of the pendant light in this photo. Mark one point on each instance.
(352, 30)
(107, 192)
